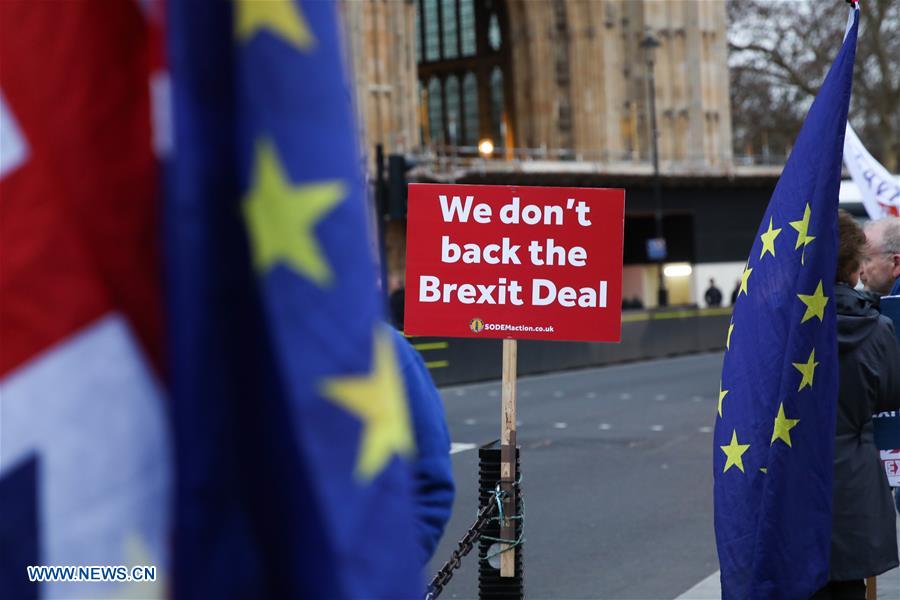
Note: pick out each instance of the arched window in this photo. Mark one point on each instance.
(470, 109)
(450, 35)
(454, 120)
(435, 111)
(497, 110)
(463, 62)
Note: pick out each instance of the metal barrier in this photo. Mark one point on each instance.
(645, 335)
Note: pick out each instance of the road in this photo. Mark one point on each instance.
(617, 480)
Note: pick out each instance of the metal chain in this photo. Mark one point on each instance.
(465, 546)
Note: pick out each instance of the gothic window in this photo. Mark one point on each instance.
(467, 22)
(494, 37)
(435, 111)
(451, 90)
(430, 17)
(470, 109)
(497, 106)
(463, 63)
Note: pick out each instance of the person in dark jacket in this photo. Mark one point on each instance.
(713, 295)
(863, 537)
(432, 470)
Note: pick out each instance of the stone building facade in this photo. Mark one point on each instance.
(559, 79)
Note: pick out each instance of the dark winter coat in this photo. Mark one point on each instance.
(863, 538)
(432, 470)
(713, 296)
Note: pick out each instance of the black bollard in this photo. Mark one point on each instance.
(490, 585)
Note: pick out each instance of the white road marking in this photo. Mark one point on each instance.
(656, 428)
(460, 447)
(560, 425)
(558, 394)
(605, 426)
(697, 398)
(706, 430)
(708, 589)
(470, 421)
(660, 397)
(625, 396)
(591, 394)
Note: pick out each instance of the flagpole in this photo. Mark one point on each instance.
(508, 458)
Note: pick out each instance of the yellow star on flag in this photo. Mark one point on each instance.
(281, 218)
(783, 427)
(764, 470)
(807, 369)
(768, 240)
(734, 451)
(815, 304)
(803, 237)
(728, 339)
(379, 400)
(745, 277)
(722, 394)
(282, 17)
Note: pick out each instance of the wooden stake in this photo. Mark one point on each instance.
(508, 456)
(871, 588)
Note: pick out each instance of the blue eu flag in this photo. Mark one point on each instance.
(774, 435)
(292, 428)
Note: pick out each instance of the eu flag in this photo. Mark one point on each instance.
(292, 428)
(774, 435)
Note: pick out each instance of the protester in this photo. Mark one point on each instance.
(863, 538)
(432, 470)
(713, 295)
(735, 292)
(881, 264)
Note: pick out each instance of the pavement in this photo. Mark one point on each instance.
(616, 480)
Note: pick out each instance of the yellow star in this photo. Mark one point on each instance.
(783, 426)
(802, 227)
(815, 304)
(764, 470)
(807, 369)
(745, 277)
(379, 400)
(728, 340)
(281, 218)
(768, 240)
(734, 452)
(722, 394)
(283, 17)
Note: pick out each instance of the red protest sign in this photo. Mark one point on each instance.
(514, 262)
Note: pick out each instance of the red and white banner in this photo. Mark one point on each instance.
(879, 189)
(891, 461)
(514, 262)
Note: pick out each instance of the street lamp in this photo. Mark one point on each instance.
(486, 147)
(649, 44)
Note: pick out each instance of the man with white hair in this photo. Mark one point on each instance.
(881, 264)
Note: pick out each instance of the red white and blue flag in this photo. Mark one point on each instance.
(274, 460)
(85, 475)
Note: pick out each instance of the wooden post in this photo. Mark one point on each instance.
(508, 456)
(871, 588)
